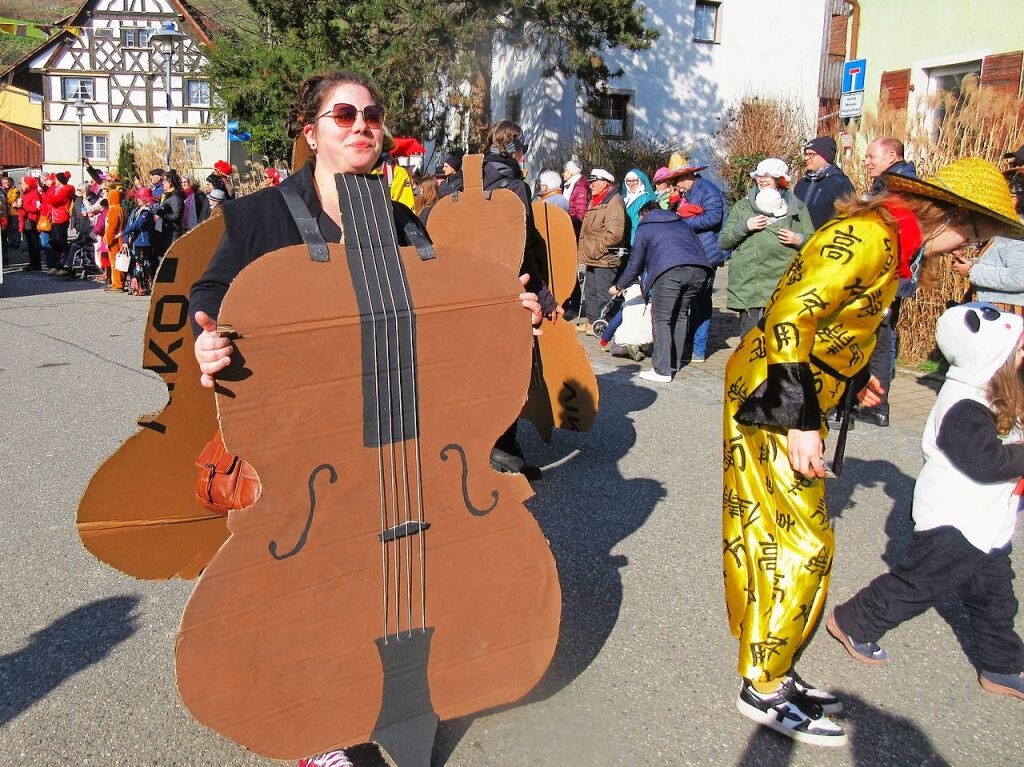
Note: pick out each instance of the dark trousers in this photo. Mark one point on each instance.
(700, 319)
(749, 319)
(35, 250)
(12, 237)
(940, 562)
(59, 242)
(595, 290)
(882, 363)
(670, 305)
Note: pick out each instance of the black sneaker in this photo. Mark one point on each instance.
(788, 712)
(865, 652)
(829, 703)
(1003, 684)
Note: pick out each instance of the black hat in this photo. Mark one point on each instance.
(823, 145)
(157, 172)
(63, 177)
(455, 161)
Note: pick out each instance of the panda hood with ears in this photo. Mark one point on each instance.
(977, 339)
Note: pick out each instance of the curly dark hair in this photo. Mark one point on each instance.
(312, 91)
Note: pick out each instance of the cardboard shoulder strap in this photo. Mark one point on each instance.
(306, 223)
(473, 172)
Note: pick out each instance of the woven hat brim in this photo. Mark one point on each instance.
(683, 171)
(894, 182)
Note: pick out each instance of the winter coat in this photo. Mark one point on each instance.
(139, 231)
(578, 192)
(663, 241)
(172, 213)
(202, 206)
(59, 197)
(759, 259)
(31, 204)
(708, 225)
(605, 228)
(633, 207)
(819, 192)
(450, 185)
(900, 168)
(998, 277)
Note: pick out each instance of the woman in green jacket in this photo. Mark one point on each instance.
(765, 229)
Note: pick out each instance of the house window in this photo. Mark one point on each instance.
(94, 146)
(705, 22)
(75, 88)
(135, 37)
(514, 107)
(612, 114)
(948, 80)
(188, 146)
(198, 93)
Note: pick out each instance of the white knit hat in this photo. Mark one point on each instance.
(771, 166)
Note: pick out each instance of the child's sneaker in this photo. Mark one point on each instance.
(788, 712)
(866, 652)
(829, 703)
(330, 759)
(1003, 684)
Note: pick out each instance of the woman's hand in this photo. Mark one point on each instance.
(806, 451)
(790, 238)
(213, 351)
(530, 302)
(872, 393)
(962, 266)
(757, 223)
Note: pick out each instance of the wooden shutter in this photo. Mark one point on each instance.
(895, 88)
(1003, 71)
(837, 36)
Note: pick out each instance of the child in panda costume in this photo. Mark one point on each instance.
(965, 508)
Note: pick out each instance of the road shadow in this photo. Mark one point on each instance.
(18, 284)
(585, 508)
(70, 644)
(877, 739)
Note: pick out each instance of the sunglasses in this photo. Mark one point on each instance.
(345, 115)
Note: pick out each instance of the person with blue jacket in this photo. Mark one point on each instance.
(667, 250)
(139, 234)
(637, 190)
(702, 207)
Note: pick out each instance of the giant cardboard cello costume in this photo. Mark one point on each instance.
(387, 577)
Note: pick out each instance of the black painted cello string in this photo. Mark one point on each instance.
(384, 250)
(408, 310)
(380, 455)
(392, 520)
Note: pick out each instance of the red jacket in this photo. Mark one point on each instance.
(579, 202)
(59, 196)
(30, 204)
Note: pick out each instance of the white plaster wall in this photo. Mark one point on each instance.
(681, 86)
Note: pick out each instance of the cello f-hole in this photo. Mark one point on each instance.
(309, 518)
(475, 511)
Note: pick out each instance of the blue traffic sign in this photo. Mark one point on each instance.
(232, 124)
(239, 135)
(853, 75)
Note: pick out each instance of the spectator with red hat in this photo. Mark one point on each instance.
(30, 204)
(59, 196)
(223, 170)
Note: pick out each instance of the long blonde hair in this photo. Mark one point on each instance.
(930, 215)
(1006, 395)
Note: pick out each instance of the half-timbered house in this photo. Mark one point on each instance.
(101, 78)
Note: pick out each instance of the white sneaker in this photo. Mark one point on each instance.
(790, 713)
(650, 375)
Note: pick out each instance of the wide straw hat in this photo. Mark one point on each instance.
(678, 166)
(971, 183)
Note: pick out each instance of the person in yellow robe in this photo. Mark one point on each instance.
(807, 356)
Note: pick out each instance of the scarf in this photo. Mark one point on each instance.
(641, 190)
(909, 233)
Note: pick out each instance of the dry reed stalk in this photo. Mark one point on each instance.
(150, 154)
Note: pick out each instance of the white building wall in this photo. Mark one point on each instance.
(679, 86)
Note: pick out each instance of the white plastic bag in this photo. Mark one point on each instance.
(636, 325)
(123, 260)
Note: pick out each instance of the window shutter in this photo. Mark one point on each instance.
(837, 36)
(1003, 72)
(896, 88)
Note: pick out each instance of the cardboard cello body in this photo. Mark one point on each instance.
(387, 577)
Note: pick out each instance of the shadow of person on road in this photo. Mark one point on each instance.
(586, 508)
(68, 645)
(877, 738)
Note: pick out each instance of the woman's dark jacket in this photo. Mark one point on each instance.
(139, 230)
(663, 241)
(172, 211)
(708, 225)
(202, 205)
(261, 223)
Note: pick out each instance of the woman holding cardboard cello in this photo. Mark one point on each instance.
(347, 679)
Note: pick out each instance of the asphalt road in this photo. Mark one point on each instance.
(645, 668)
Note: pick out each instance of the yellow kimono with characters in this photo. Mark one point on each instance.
(817, 333)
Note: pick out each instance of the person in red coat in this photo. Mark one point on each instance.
(59, 196)
(28, 216)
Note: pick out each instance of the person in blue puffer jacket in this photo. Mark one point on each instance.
(139, 235)
(702, 206)
(677, 269)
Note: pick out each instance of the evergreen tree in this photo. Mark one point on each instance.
(126, 166)
(413, 50)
